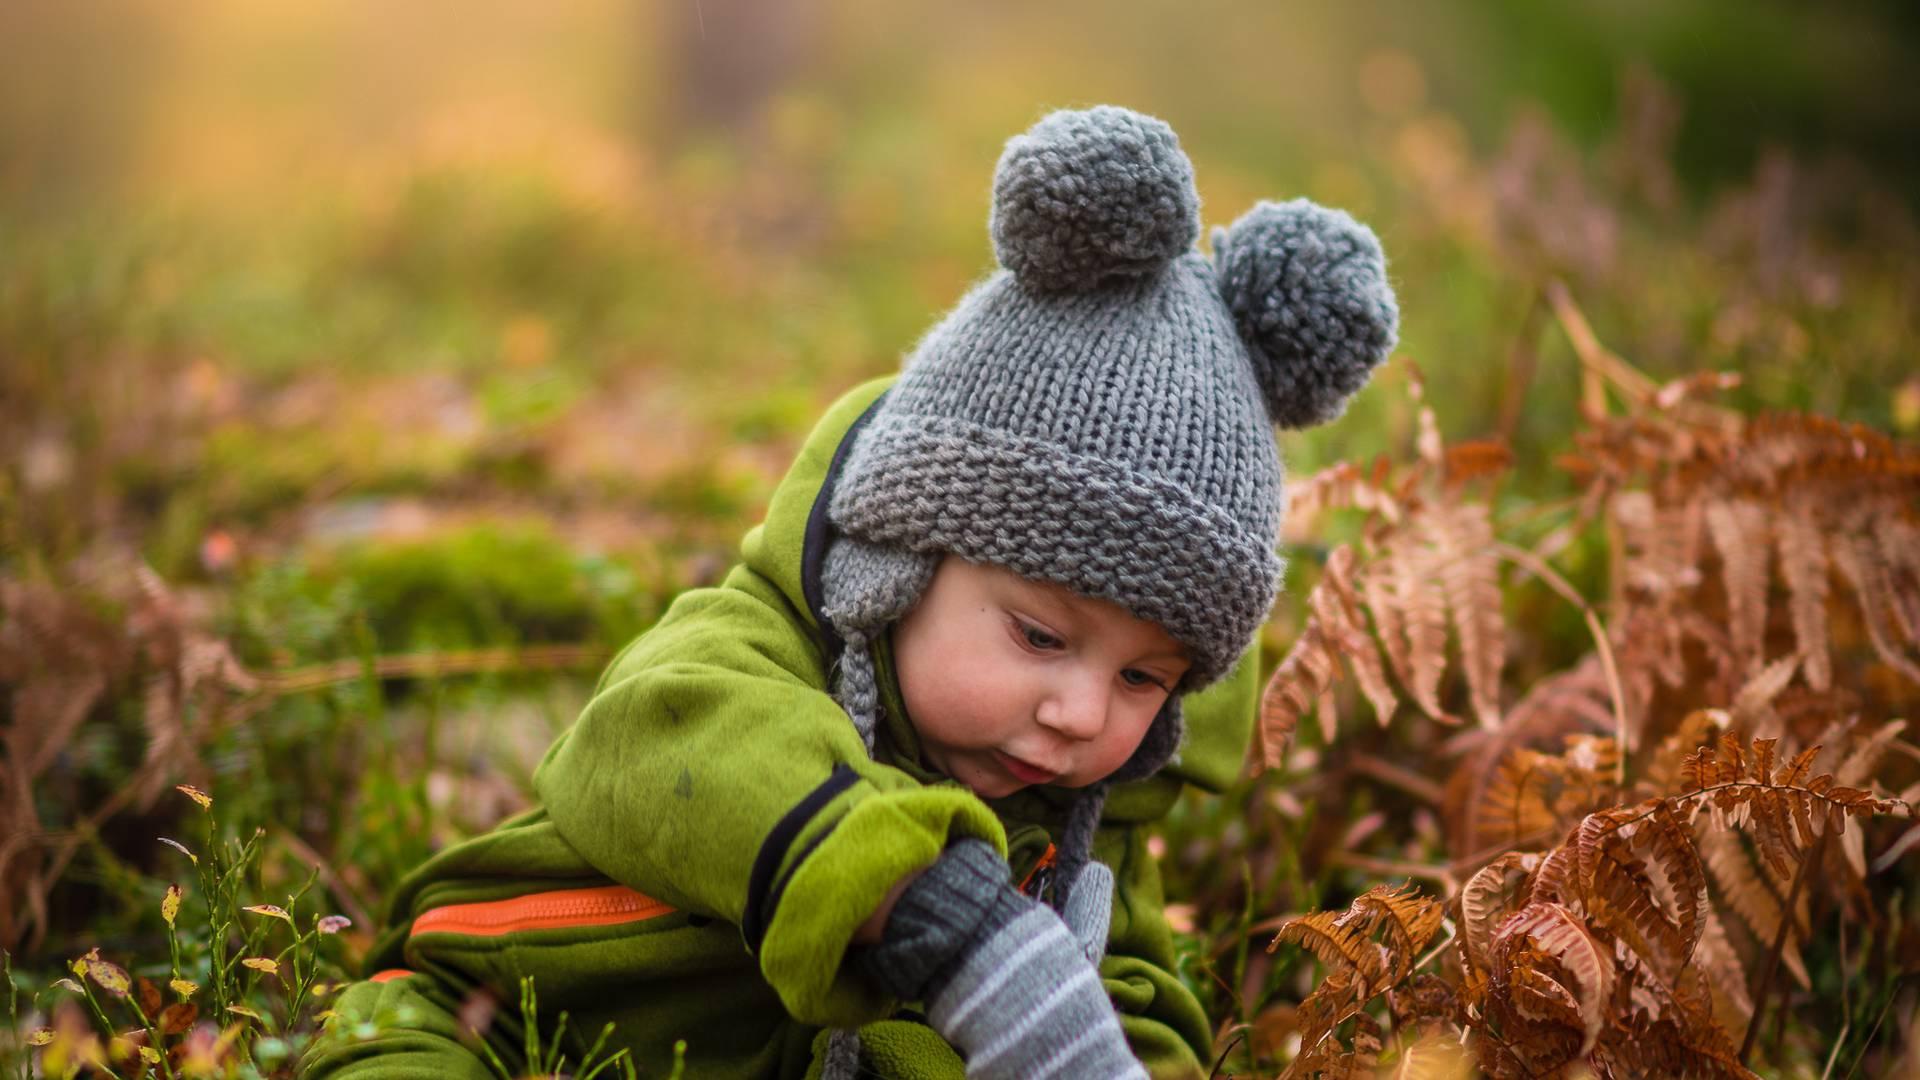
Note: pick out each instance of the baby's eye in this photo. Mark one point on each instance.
(1039, 638)
(1136, 677)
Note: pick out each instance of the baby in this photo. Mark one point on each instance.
(876, 804)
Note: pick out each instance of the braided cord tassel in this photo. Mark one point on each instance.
(843, 1055)
(859, 688)
(1076, 841)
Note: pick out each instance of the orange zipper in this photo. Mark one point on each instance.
(605, 905)
(1047, 859)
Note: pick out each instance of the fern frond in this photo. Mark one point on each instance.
(1803, 563)
(1615, 891)
(1900, 549)
(1382, 603)
(1662, 543)
(1742, 890)
(1339, 612)
(1297, 684)
(1333, 632)
(1752, 706)
(1665, 844)
(1740, 533)
(1648, 1047)
(1555, 881)
(1553, 931)
(1410, 919)
(1322, 1053)
(1859, 560)
(1663, 771)
(1488, 897)
(1337, 487)
(1338, 939)
(1412, 569)
(1462, 535)
(1863, 761)
(1859, 767)
(1517, 805)
(1732, 1004)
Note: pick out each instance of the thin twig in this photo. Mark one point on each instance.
(1893, 991)
(1399, 776)
(1453, 938)
(1833, 1056)
(1475, 859)
(428, 665)
(338, 887)
(1560, 585)
(1392, 867)
(1602, 363)
(1596, 357)
(1521, 359)
(1780, 943)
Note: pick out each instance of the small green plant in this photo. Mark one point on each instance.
(256, 981)
(550, 1060)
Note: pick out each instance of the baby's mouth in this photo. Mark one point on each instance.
(1023, 771)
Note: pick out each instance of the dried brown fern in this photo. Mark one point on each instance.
(63, 663)
(1583, 953)
(1724, 660)
(1368, 949)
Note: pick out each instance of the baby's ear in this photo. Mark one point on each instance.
(1308, 290)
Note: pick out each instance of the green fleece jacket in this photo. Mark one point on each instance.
(711, 771)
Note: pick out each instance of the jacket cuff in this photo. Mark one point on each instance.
(882, 837)
(962, 898)
(767, 883)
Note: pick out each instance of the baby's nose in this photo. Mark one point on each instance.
(1076, 712)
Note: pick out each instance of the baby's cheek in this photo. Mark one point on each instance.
(1128, 739)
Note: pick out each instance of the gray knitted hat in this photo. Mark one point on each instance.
(1099, 412)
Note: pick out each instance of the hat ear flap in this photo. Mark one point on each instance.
(1307, 287)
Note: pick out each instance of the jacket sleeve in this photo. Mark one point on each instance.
(712, 770)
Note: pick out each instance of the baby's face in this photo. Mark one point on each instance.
(1011, 682)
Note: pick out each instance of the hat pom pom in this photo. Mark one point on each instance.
(1308, 290)
(1086, 196)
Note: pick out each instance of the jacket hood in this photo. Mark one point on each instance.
(789, 547)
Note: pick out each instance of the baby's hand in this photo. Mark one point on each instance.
(1004, 979)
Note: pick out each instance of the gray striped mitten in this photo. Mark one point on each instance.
(1003, 978)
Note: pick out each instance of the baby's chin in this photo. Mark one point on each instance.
(993, 787)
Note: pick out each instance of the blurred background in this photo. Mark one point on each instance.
(336, 334)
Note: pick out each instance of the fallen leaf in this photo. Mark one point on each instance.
(178, 1017)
